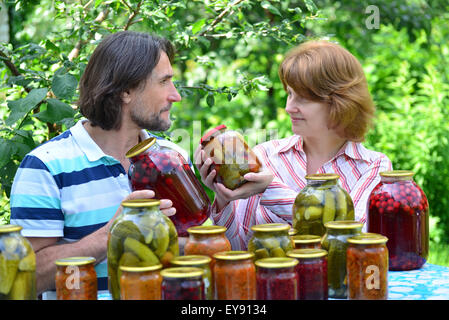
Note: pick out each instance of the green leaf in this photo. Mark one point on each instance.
(210, 100)
(6, 150)
(310, 5)
(56, 111)
(198, 25)
(51, 46)
(268, 6)
(19, 108)
(64, 85)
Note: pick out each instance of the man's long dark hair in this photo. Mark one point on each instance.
(122, 61)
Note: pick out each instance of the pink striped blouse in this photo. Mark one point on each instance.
(357, 167)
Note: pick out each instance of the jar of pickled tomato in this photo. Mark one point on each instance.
(276, 279)
(182, 283)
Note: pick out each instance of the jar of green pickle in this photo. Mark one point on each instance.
(139, 237)
(17, 265)
(320, 201)
(198, 261)
(270, 240)
(335, 241)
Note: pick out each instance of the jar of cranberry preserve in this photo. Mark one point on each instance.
(231, 157)
(312, 273)
(276, 279)
(182, 283)
(399, 210)
(167, 173)
(307, 241)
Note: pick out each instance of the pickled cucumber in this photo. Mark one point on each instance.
(313, 213)
(329, 206)
(342, 208)
(277, 252)
(270, 243)
(313, 199)
(126, 229)
(161, 239)
(128, 259)
(28, 263)
(8, 271)
(115, 248)
(261, 253)
(140, 250)
(22, 289)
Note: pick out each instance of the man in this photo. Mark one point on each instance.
(67, 192)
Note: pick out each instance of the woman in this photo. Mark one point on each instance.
(331, 110)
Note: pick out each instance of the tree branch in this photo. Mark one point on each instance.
(133, 14)
(220, 17)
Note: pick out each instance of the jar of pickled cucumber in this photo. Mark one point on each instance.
(367, 267)
(399, 210)
(17, 265)
(76, 279)
(335, 241)
(141, 236)
(320, 201)
(270, 240)
(169, 175)
(182, 283)
(306, 241)
(276, 279)
(198, 261)
(231, 156)
(140, 283)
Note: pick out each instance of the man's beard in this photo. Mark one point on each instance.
(153, 122)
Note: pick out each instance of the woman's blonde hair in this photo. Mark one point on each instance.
(326, 72)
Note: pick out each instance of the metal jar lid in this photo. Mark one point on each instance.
(182, 272)
(206, 229)
(322, 176)
(368, 238)
(141, 203)
(75, 261)
(5, 228)
(141, 269)
(306, 238)
(306, 253)
(276, 262)
(343, 224)
(189, 260)
(233, 255)
(140, 147)
(269, 227)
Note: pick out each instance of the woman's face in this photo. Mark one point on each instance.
(309, 118)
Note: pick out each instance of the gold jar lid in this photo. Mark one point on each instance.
(141, 269)
(368, 238)
(75, 261)
(343, 224)
(306, 238)
(4, 228)
(397, 173)
(269, 227)
(206, 229)
(233, 255)
(182, 272)
(189, 260)
(276, 262)
(140, 147)
(322, 176)
(292, 232)
(306, 253)
(141, 203)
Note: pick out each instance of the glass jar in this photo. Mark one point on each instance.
(167, 173)
(17, 265)
(198, 261)
(270, 240)
(140, 236)
(231, 157)
(76, 279)
(140, 283)
(336, 244)
(320, 201)
(399, 210)
(367, 267)
(312, 273)
(276, 279)
(182, 283)
(235, 276)
(306, 241)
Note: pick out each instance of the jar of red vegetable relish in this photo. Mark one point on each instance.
(76, 279)
(182, 283)
(167, 173)
(276, 279)
(399, 210)
(312, 273)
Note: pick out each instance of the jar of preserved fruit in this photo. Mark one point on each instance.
(17, 265)
(306, 241)
(270, 240)
(276, 279)
(140, 283)
(182, 283)
(76, 279)
(231, 157)
(141, 236)
(312, 273)
(399, 210)
(320, 201)
(198, 261)
(167, 173)
(336, 244)
(235, 276)
(367, 267)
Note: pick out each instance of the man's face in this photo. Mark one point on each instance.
(150, 106)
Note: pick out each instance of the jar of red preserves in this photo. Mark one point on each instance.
(167, 173)
(231, 157)
(76, 279)
(141, 283)
(306, 241)
(399, 210)
(276, 279)
(367, 267)
(312, 273)
(270, 240)
(182, 283)
(234, 276)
